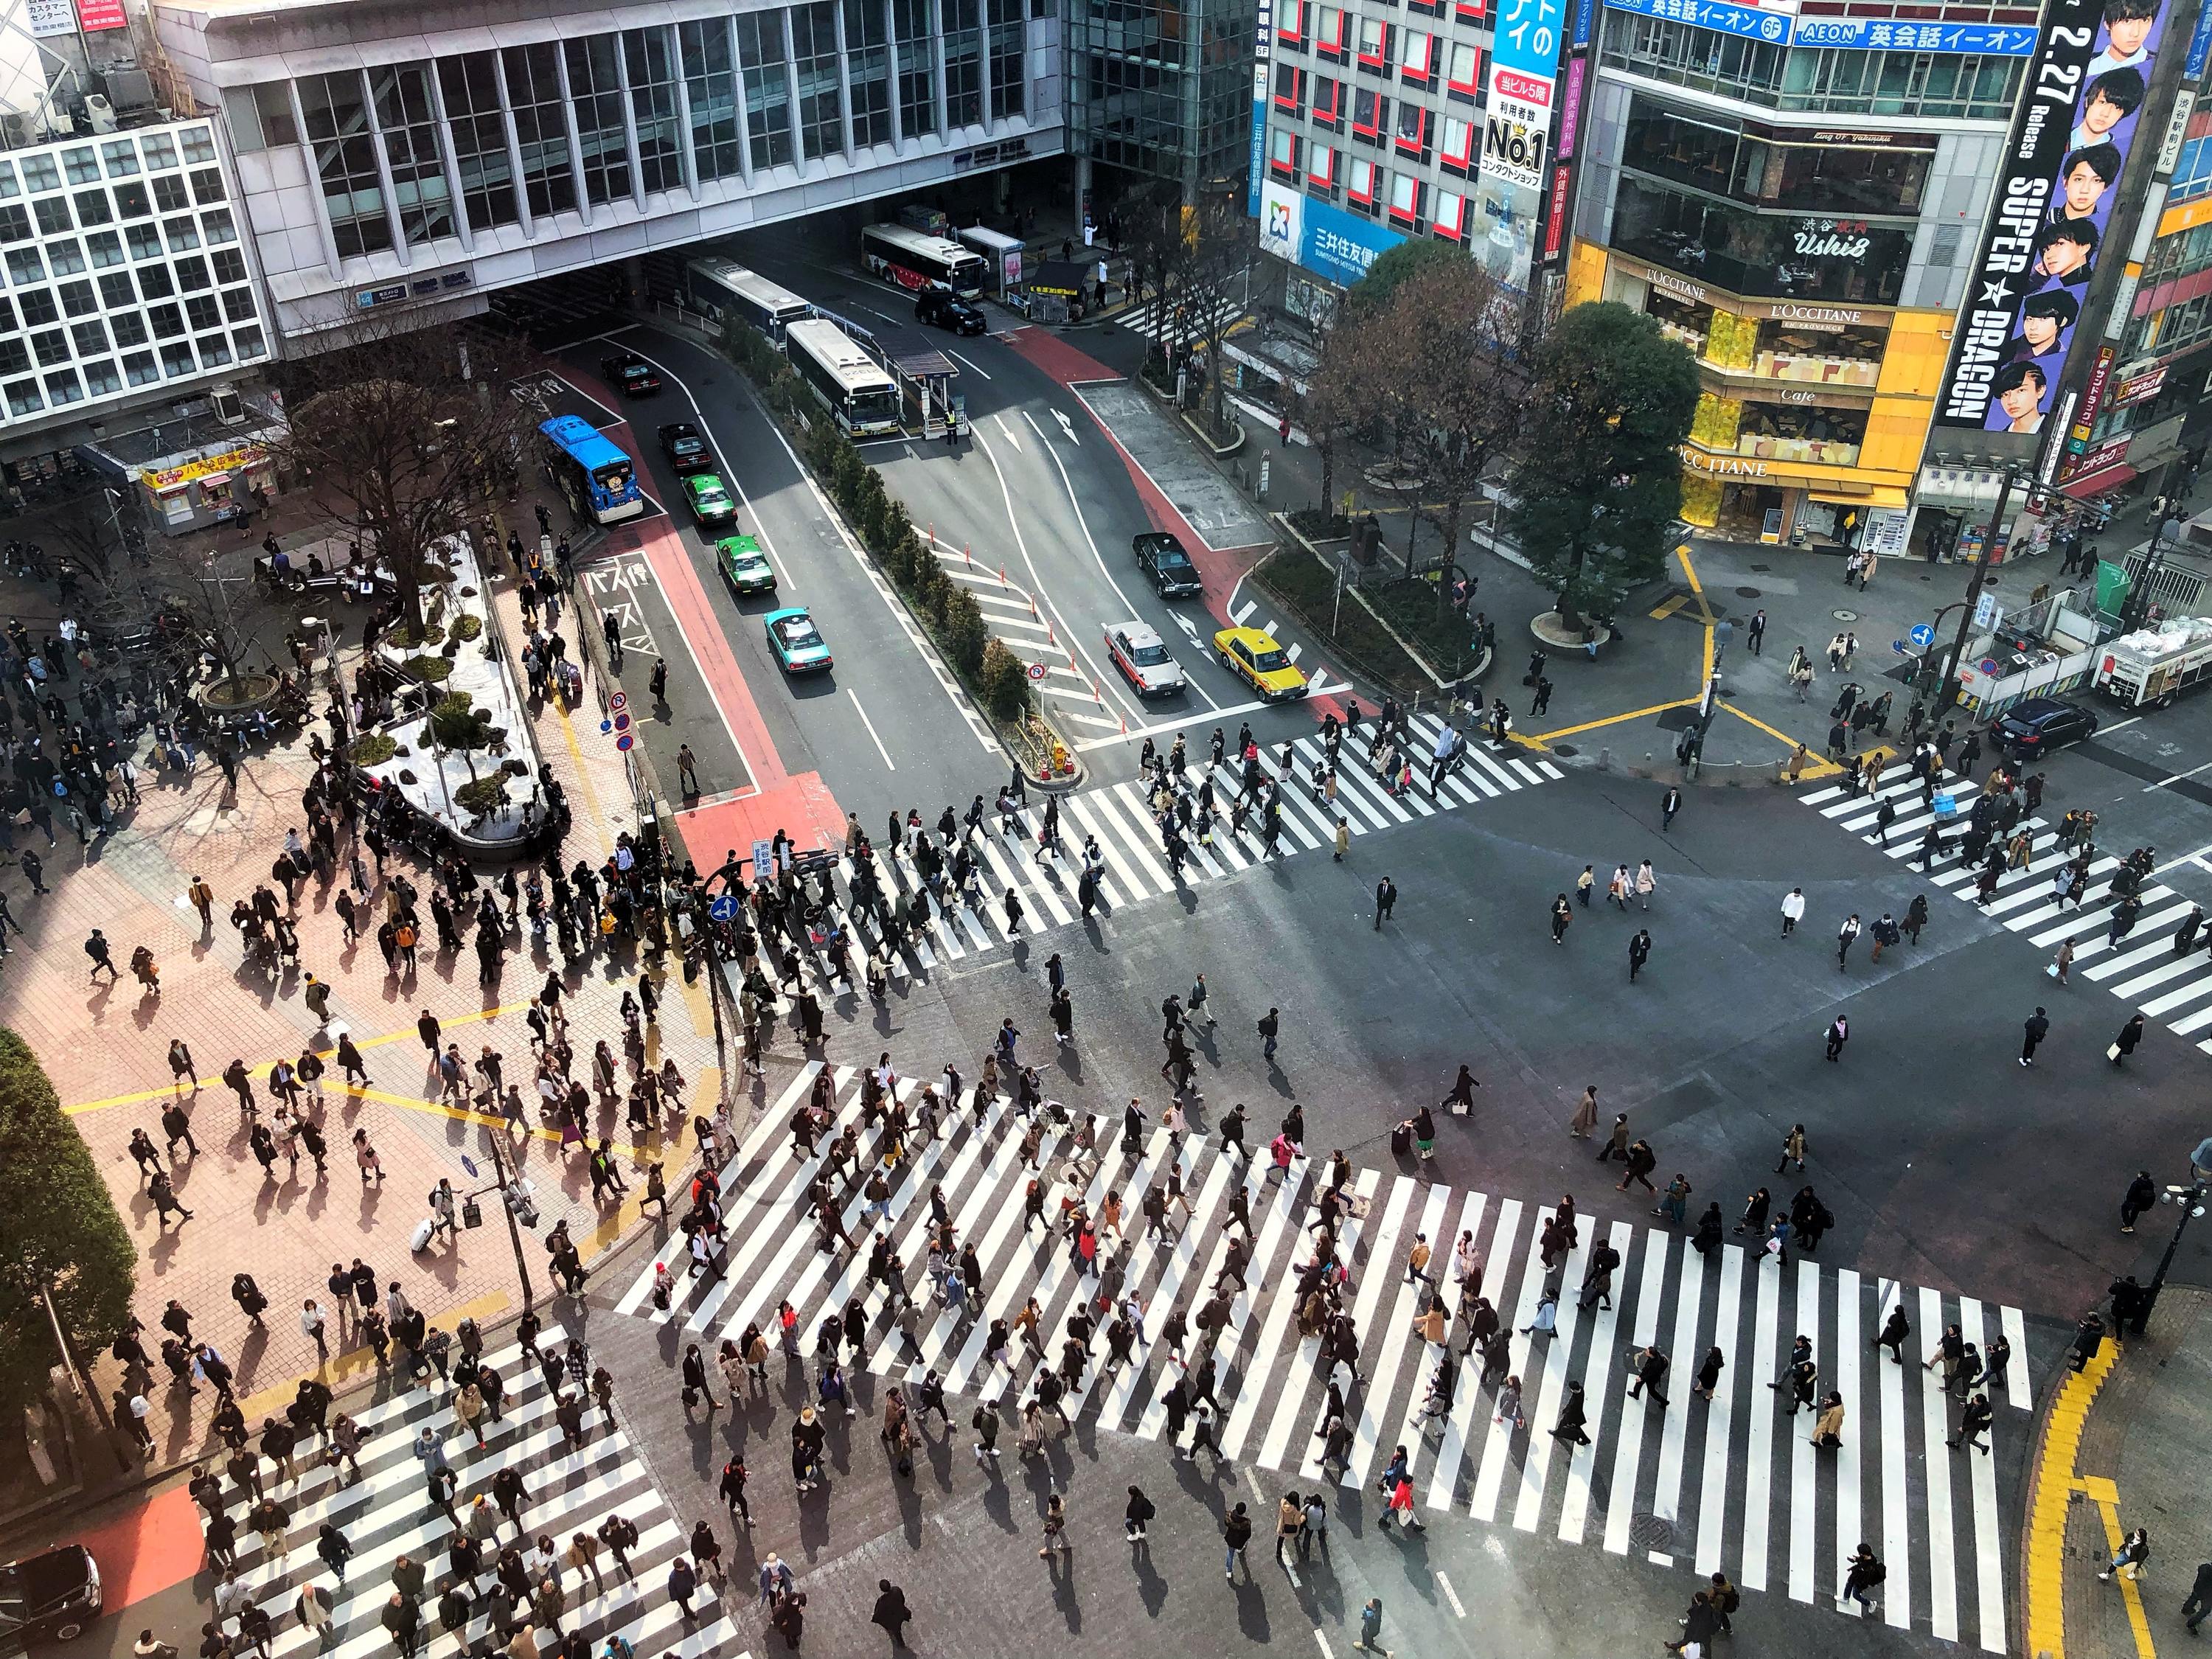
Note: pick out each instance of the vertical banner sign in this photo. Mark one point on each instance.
(94, 15)
(2200, 48)
(1516, 134)
(2061, 173)
(1258, 164)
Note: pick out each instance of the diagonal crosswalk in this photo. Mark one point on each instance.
(1135, 868)
(384, 1513)
(2141, 968)
(1735, 1484)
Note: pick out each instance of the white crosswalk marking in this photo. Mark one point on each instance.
(1156, 318)
(2140, 967)
(1734, 1484)
(944, 927)
(384, 1513)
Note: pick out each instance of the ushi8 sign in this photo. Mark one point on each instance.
(2070, 142)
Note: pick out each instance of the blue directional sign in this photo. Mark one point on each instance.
(1884, 35)
(470, 1165)
(724, 909)
(606, 725)
(1898, 646)
(1718, 15)
(1923, 633)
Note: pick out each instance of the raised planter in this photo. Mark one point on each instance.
(1554, 635)
(248, 692)
(506, 812)
(1221, 451)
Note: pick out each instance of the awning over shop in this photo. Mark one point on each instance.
(2097, 483)
(1871, 496)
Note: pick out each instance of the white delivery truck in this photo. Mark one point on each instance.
(2152, 666)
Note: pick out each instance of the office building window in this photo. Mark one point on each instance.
(917, 66)
(767, 87)
(23, 398)
(963, 63)
(90, 338)
(1008, 79)
(541, 127)
(102, 378)
(53, 216)
(177, 360)
(140, 368)
(52, 346)
(814, 67)
(92, 208)
(63, 387)
(105, 246)
(409, 125)
(710, 84)
(15, 356)
(345, 160)
(470, 85)
(651, 63)
(595, 94)
(161, 152)
(868, 67)
(82, 166)
(129, 328)
(250, 344)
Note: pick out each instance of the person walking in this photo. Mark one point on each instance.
(1846, 936)
(2124, 1044)
(1639, 952)
(1793, 910)
(2141, 1194)
(1863, 1577)
(2037, 1028)
(1839, 1033)
(1236, 1533)
(1371, 1628)
(1386, 898)
(891, 1614)
(1585, 1122)
(2199, 1601)
(1562, 914)
(1669, 803)
(2128, 1560)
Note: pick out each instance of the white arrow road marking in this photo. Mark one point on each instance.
(1066, 426)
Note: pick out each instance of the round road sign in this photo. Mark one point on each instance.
(625, 741)
(724, 909)
(1989, 665)
(1036, 671)
(1923, 633)
(606, 725)
(622, 722)
(619, 701)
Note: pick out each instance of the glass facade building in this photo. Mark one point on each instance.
(1161, 89)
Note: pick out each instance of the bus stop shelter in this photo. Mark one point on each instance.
(925, 374)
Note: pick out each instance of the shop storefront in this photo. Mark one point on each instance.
(193, 492)
(1811, 418)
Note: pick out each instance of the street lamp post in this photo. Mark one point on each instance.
(2190, 1201)
(1950, 685)
(509, 1201)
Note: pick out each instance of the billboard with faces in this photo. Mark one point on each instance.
(2070, 142)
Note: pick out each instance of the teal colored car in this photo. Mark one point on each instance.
(709, 502)
(798, 644)
(744, 566)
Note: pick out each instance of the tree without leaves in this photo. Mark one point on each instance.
(398, 447)
(65, 1234)
(1598, 479)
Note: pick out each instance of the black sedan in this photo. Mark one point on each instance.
(2031, 730)
(1161, 557)
(686, 450)
(50, 1596)
(943, 310)
(630, 374)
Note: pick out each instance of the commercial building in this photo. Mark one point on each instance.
(1159, 91)
(1795, 194)
(389, 158)
(127, 291)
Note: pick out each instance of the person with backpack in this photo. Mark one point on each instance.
(1863, 1575)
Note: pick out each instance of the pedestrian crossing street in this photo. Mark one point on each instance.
(385, 1513)
(1136, 869)
(2142, 969)
(1735, 1484)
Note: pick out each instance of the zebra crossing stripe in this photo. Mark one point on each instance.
(1716, 1473)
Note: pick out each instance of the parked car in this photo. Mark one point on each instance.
(50, 1598)
(629, 373)
(1162, 557)
(2031, 730)
(943, 310)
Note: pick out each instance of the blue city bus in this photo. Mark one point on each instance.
(599, 480)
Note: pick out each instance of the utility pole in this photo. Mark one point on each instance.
(84, 1389)
(1949, 688)
(509, 1199)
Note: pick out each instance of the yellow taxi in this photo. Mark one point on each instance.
(1253, 656)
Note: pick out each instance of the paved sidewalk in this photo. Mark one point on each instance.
(2124, 1449)
(105, 1046)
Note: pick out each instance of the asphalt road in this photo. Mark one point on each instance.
(882, 710)
(1038, 490)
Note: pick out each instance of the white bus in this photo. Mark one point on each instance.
(721, 285)
(864, 398)
(910, 260)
